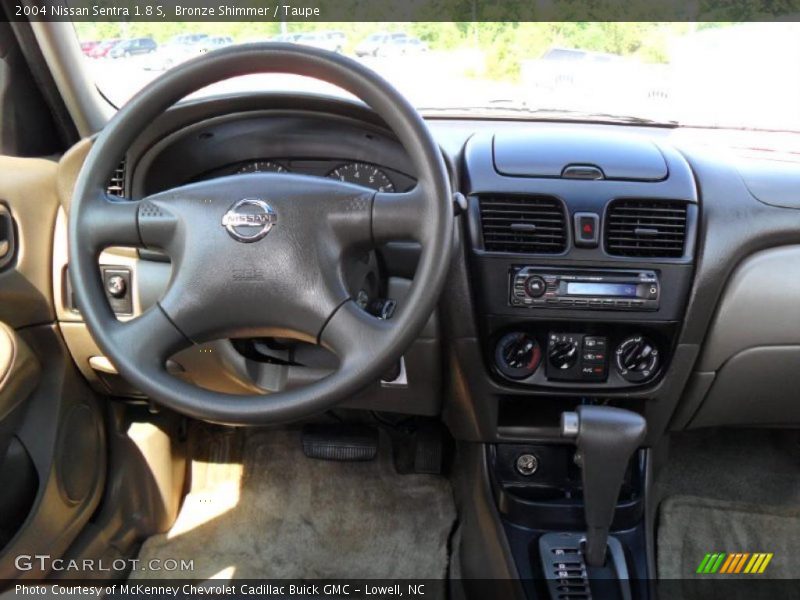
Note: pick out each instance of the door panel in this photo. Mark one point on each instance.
(19, 374)
(53, 451)
(28, 192)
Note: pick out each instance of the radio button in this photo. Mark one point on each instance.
(535, 286)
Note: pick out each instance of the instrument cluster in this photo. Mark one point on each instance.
(376, 177)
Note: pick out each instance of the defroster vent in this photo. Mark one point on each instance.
(652, 228)
(523, 224)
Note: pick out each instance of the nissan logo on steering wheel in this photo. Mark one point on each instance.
(249, 220)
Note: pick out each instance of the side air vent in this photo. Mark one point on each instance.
(523, 224)
(116, 185)
(653, 228)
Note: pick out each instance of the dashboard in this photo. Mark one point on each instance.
(593, 263)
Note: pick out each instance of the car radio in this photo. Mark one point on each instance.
(600, 289)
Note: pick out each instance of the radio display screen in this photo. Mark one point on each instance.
(621, 290)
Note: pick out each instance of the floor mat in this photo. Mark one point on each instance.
(728, 490)
(258, 508)
(691, 527)
(746, 465)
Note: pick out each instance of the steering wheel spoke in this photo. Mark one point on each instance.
(354, 336)
(149, 339)
(157, 224)
(108, 222)
(401, 217)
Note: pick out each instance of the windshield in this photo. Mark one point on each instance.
(740, 76)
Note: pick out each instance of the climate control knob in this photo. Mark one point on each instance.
(517, 355)
(563, 354)
(637, 359)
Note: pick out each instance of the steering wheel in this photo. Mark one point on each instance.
(259, 254)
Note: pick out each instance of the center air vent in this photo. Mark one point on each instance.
(523, 224)
(653, 228)
(116, 184)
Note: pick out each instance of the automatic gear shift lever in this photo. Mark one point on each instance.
(606, 438)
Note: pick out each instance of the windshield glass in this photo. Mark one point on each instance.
(744, 76)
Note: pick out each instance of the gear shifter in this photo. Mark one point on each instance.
(606, 437)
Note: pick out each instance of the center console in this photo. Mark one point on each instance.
(581, 283)
(581, 251)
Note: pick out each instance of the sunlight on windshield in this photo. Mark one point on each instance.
(701, 74)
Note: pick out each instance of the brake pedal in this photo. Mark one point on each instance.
(428, 449)
(342, 442)
(420, 449)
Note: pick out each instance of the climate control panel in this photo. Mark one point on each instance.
(592, 358)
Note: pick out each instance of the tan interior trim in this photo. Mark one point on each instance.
(19, 370)
(68, 169)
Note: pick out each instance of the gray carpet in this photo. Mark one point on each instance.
(728, 491)
(258, 508)
(755, 466)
